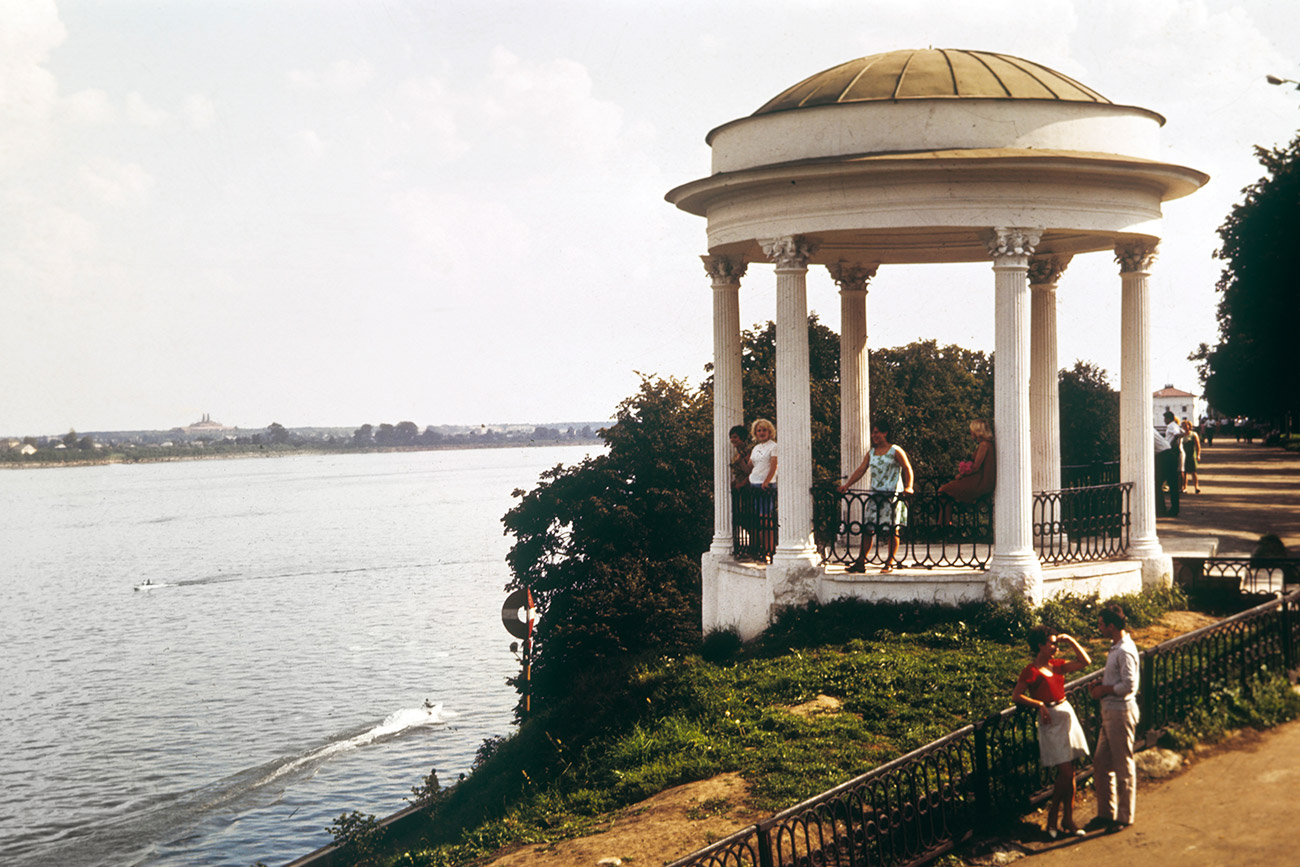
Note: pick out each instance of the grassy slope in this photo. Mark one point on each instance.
(904, 676)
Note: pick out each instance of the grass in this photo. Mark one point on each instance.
(903, 675)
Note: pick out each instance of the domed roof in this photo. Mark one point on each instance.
(932, 73)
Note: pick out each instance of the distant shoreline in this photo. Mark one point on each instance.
(119, 457)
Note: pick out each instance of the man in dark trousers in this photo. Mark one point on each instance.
(1168, 450)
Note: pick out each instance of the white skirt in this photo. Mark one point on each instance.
(1061, 738)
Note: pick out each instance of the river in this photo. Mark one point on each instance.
(207, 662)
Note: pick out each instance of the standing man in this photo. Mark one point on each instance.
(1167, 465)
(1114, 771)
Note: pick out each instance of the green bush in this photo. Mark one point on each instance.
(1267, 700)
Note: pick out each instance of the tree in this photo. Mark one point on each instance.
(1253, 369)
(610, 547)
(1089, 416)
(277, 433)
(406, 433)
(70, 438)
(931, 393)
(363, 436)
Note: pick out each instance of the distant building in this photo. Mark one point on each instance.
(1183, 404)
(206, 427)
(27, 449)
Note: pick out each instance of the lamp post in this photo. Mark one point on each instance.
(1273, 79)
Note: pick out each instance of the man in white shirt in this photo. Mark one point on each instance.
(1168, 450)
(1113, 768)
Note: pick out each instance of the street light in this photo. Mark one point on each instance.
(1273, 79)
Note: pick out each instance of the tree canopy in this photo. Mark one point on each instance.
(1253, 371)
(1089, 416)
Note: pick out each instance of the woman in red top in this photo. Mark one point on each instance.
(1060, 737)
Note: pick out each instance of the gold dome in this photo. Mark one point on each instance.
(932, 73)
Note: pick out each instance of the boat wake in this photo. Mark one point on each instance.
(154, 823)
(394, 724)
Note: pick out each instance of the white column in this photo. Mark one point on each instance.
(855, 387)
(728, 395)
(793, 570)
(1014, 569)
(1044, 386)
(1136, 443)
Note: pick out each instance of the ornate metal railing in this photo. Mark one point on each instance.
(915, 808)
(1079, 524)
(753, 524)
(1224, 580)
(1088, 475)
(856, 529)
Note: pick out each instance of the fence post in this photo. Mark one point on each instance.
(764, 847)
(1146, 688)
(1284, 618)
(983, 792)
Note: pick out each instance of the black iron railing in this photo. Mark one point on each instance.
(1088, 475)
(1226, 579)
(857, 528)
(917, 807)
(753, 524)
(1079, 524)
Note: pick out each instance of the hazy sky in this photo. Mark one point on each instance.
(332, 213)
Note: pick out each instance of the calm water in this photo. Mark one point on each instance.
(302, 611)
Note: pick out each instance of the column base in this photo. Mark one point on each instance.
(793, 576)
(1015, 576)
(1157, 571)
(1144, 549)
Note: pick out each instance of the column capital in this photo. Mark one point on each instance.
(1046, 271)
(1135, 256)
(1012, 245)
(724, 270)
(789, 252)
(852, 276)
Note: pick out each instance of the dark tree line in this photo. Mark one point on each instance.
(1252, 370)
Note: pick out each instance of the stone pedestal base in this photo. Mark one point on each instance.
(793, 577)
(1157, 571)
(1015, 579)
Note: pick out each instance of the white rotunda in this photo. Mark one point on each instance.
(928, 156)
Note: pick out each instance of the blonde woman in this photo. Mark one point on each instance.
(981, 476)
(762, 481)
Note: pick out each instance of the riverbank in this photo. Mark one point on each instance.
(150, 455)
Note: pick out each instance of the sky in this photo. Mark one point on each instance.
(335, 212)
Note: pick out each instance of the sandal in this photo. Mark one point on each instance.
(887, 568)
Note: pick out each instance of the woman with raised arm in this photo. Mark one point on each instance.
(1060, 737)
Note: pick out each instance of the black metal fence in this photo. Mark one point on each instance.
(1084, 523)
(921, 805)
(1088, 475)
(856, 529)
(753, 523)
(1224, 581)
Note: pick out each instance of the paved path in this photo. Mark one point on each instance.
(1246, 491)
(1235, 807)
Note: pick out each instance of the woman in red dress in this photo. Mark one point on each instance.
(1060, 737)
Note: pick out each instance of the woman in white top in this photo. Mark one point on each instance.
(762, 481)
